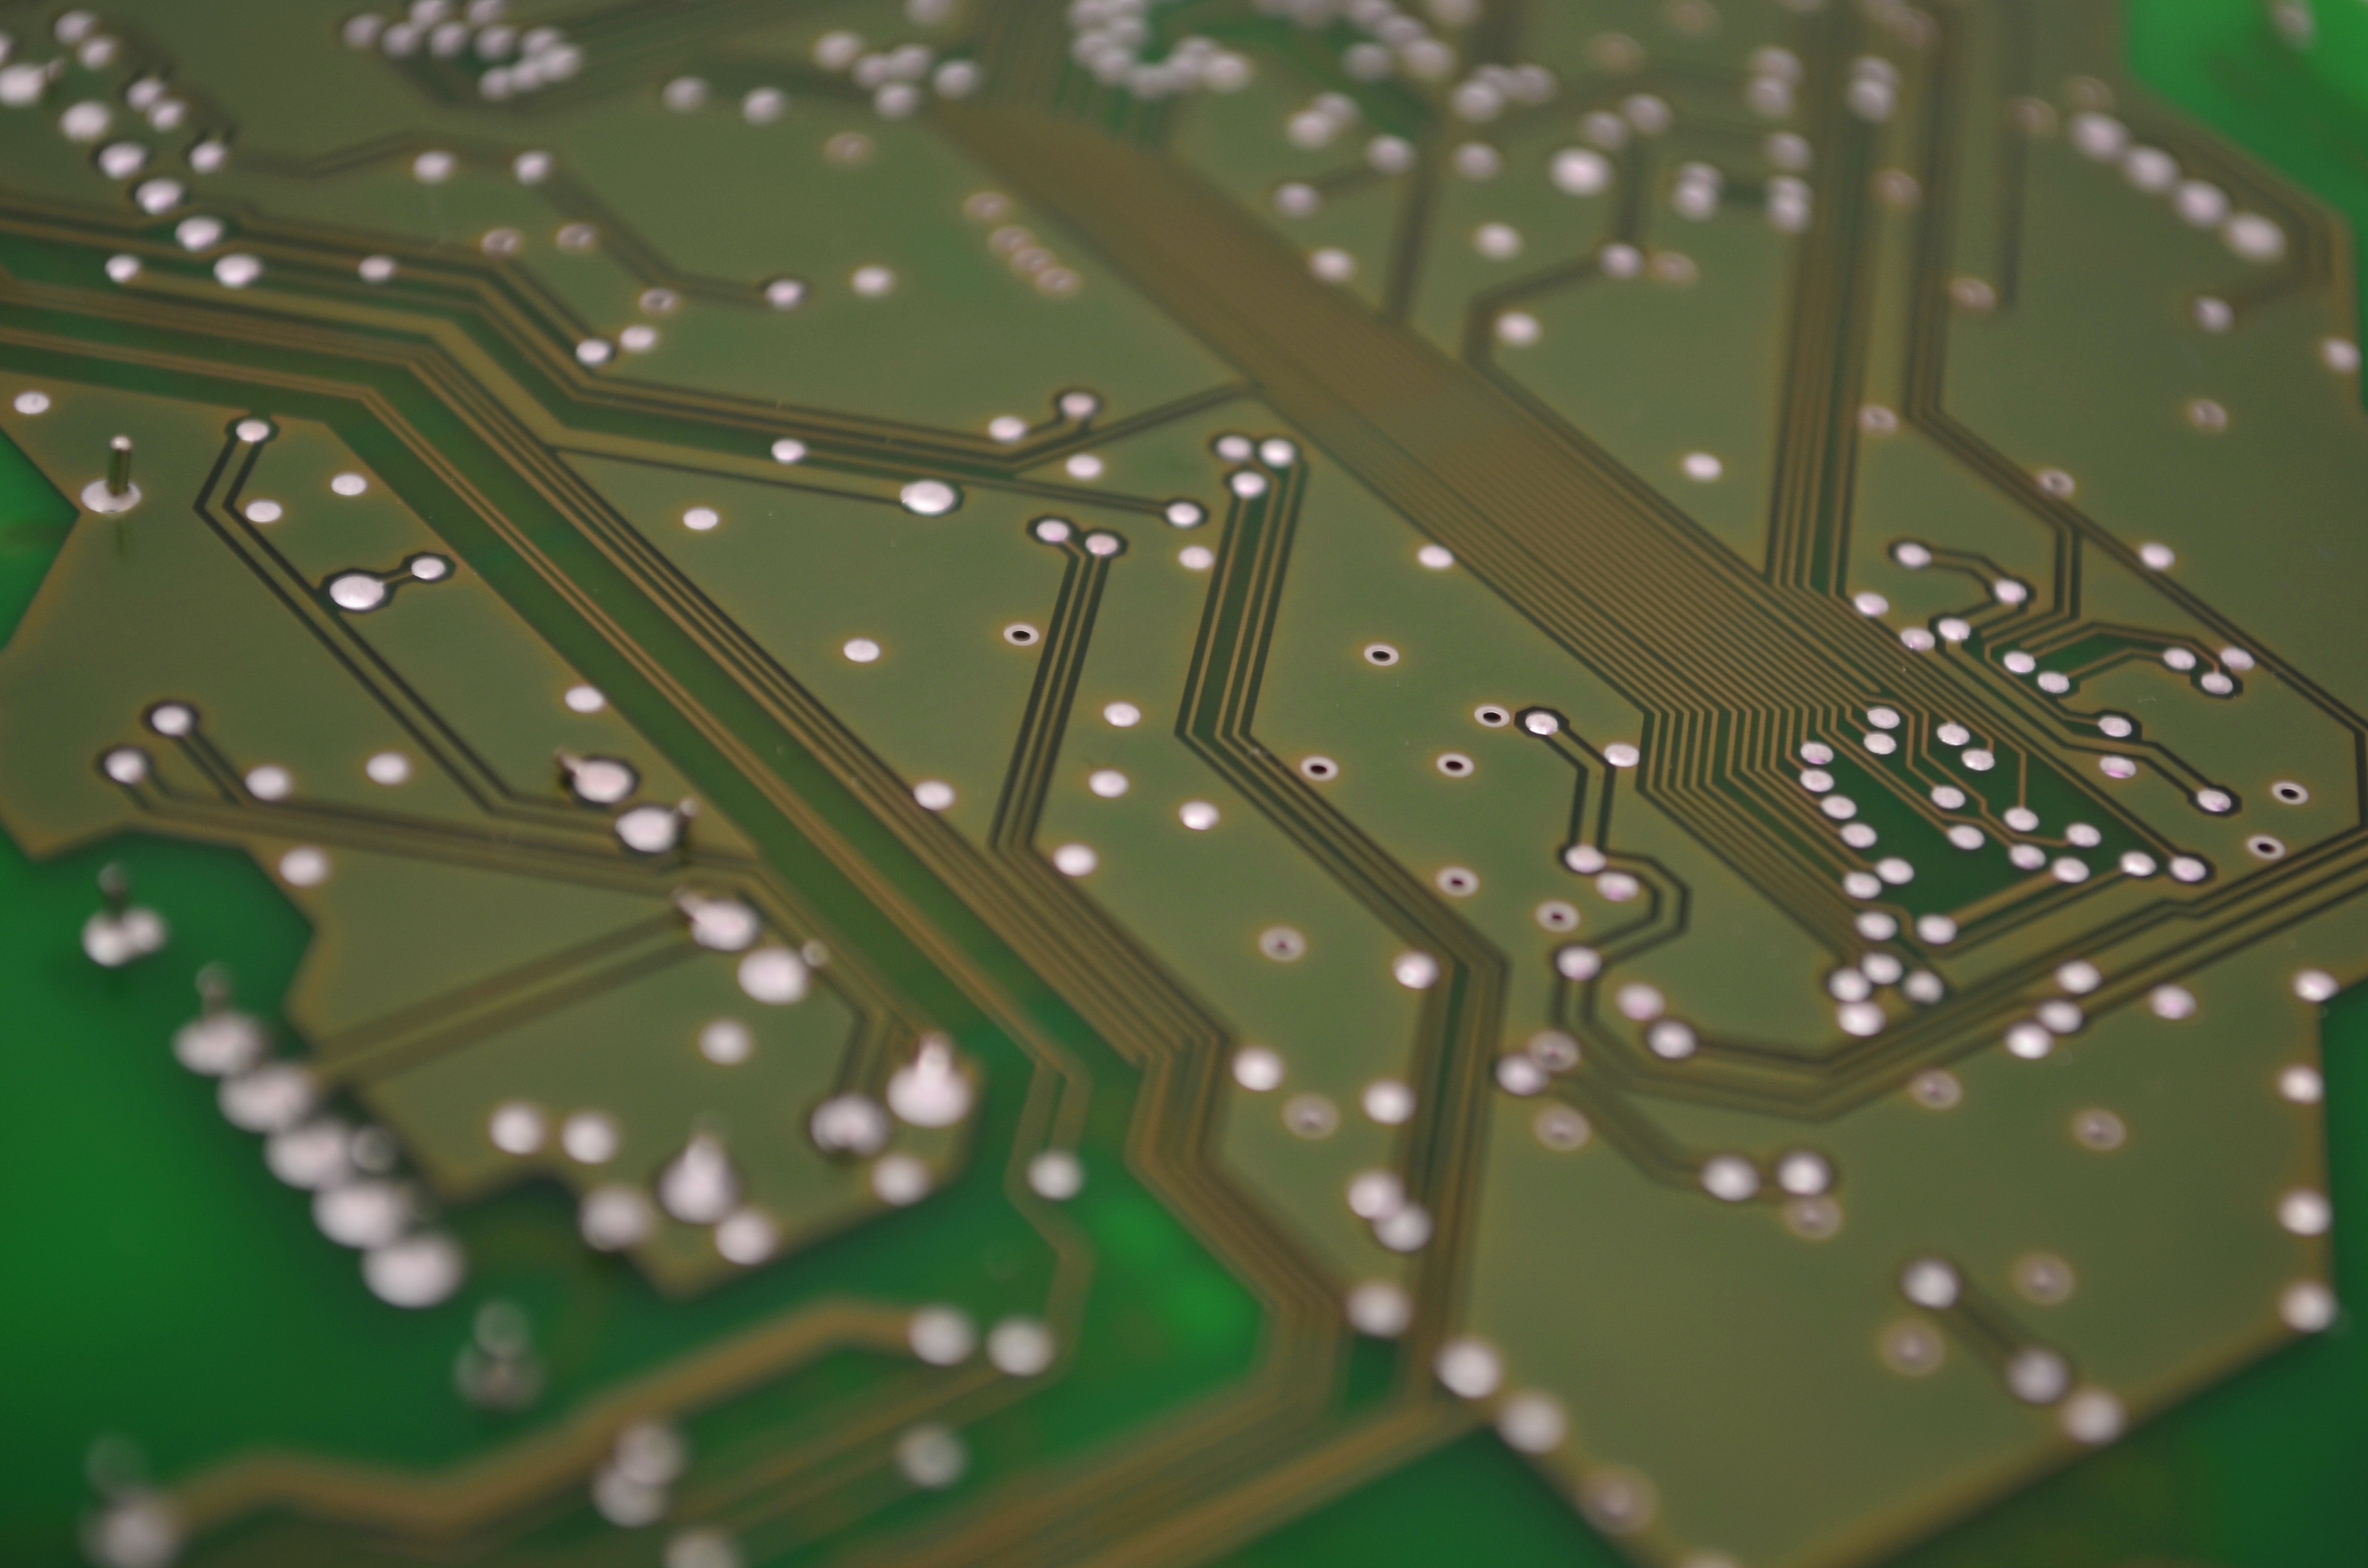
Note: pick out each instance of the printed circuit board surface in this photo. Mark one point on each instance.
(976, 782)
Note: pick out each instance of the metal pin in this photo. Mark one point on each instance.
(213, 989)
(123, 930)
(116, 493)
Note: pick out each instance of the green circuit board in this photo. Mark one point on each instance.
(1157, 782)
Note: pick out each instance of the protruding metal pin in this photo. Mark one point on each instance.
(116, 493)
(214, 988)
(123, 930)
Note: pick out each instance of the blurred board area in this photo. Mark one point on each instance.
(1257, 781)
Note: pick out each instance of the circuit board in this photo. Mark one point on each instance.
(1159, 782)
